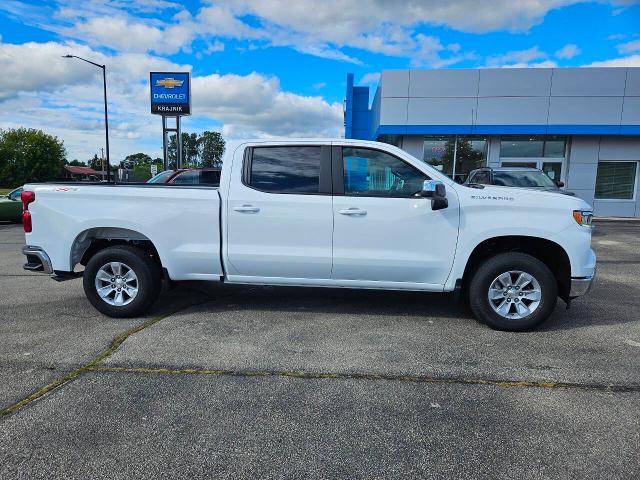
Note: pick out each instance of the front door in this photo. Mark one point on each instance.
(279, 216)
(383, 231)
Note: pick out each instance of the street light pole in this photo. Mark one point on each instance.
(106, 117)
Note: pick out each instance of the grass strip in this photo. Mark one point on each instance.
(372, 376)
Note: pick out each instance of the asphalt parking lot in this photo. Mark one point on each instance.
(235, 382)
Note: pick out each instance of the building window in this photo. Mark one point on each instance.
(616, 180)
(395, 140)
(455, 156)
(532, 147)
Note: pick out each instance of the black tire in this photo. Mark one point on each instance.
(146, 269)
(484, 277)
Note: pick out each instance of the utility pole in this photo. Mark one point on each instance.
(102, 162)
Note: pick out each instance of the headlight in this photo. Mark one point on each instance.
(583, 217)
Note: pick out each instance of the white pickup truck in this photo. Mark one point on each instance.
(322, 213)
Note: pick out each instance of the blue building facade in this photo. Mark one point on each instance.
(580, 125)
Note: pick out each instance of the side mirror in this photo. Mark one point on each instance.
(436, 191)
(560, 183)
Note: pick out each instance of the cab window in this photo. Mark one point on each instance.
(372, 173)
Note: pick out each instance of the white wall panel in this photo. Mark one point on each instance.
(395, 83)
(633, 82)
(631, 111)
(393, 111)
(620, 148)
(588, 82)
(512, 111)
(515, 82)
(443, 83)
(585, 110)
(441, 111)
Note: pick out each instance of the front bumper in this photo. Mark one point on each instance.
(581, 286)
(37, 260)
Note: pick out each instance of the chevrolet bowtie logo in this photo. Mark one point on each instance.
(169, 82)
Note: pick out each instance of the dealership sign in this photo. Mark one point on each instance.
(170, 93)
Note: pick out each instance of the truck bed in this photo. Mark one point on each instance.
(182, 222)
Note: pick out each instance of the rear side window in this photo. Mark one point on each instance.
(294, 169)
(210, 177)
(187, 178)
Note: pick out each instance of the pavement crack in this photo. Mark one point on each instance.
(502, 383)
(113, 346)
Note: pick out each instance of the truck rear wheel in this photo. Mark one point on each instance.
(513, 291)
(122, 281)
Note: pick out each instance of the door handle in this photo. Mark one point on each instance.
(353, 212)
(246, 209)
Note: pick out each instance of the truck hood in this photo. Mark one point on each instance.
(522, 197)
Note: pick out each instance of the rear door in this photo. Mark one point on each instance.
(279, 215)
(383, 231)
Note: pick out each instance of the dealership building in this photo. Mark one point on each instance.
(580, 125)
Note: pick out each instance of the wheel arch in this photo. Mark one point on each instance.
(547, 251)
(88, 242)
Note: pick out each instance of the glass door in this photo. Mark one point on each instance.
(553, 170)
(520, 164)
(547, 153)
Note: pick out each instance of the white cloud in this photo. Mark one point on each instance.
(64, 97)
(122, 34)
(517, 57)
(569, 51)
(339, 20)
(432, 53)
(40, 67)
(630, 61)
(370, 78)
(629, 47)
(255, 105)
(543, 64)
(321, 29)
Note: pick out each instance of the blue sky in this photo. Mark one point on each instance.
(271, 67)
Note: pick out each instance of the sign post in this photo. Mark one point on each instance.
(171, 97)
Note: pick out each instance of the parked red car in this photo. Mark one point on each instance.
(188, 176)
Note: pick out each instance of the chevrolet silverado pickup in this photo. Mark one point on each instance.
(320, 213)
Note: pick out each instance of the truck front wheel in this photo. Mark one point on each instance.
(513, 291)
(122, 281)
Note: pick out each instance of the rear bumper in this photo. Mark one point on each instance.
(37, 259)
(581, 286)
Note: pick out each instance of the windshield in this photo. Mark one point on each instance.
(161, 177)
(527, 179)
(15, 195)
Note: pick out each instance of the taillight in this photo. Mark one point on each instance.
(26, 221)
(27, 198)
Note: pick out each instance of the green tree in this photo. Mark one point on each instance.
(29, 155)
(142, 172)
(76, 163)
(191, 149)
(95, 163)
(203, 150)
(139, 158)
(212, 147)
